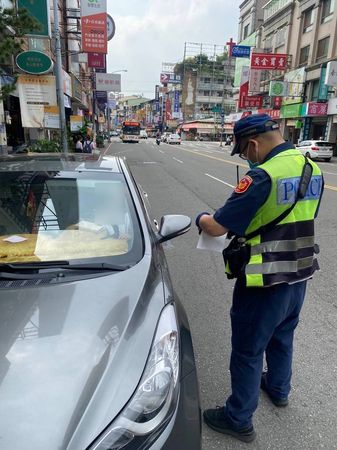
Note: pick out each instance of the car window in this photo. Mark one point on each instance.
(322, 144)
(67, 216)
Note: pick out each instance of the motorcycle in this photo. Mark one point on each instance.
(158, 141)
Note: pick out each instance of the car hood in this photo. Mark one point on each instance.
(72, 354)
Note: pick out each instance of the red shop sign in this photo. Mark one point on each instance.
(252, 101)
(268, 61)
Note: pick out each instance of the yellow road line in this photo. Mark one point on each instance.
(326, 186)
(333, 188)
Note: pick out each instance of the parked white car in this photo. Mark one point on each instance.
(316, 149)
(174, 139)
(143, 134)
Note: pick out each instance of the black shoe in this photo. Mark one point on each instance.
(215, 419)
(278, 401)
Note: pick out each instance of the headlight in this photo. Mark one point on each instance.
(154, 401)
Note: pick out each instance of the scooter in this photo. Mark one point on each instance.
(158, 141)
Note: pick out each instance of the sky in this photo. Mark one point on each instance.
(149, 32)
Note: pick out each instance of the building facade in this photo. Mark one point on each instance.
(305, 31)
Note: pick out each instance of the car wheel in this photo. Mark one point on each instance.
(327, 159)
(308, 155)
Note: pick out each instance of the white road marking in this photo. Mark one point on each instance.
(329, 173)
(161, 151)
(220, 181)
(178, 160)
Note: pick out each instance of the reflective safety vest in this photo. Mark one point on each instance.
(287, 252)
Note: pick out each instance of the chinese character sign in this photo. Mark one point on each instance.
(243, 94)
(110, 82)
(176, 106)
(331, 74)
(94, 26)
(255, 81)
(317, 109)
(268, 61)
(96, 60)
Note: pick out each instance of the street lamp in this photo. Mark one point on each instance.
(120, 70)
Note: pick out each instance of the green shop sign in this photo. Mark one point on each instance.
(38, 9)
(292, 110)
(34, 62)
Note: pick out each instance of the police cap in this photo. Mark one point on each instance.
(251, 126)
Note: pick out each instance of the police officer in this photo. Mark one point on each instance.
(279, 259)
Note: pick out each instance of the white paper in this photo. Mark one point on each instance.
(214, 244)
(15, 239)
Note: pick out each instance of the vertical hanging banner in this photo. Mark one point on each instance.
(94, 26)
(255, 81)
(39, 10)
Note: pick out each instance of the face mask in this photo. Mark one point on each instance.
(252, 165)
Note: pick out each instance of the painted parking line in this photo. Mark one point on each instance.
(178, 160)
(220, 181)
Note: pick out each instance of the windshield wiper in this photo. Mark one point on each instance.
(62, 265)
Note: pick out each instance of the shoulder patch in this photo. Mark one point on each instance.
(243, 185)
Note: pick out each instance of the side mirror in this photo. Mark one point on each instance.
(172, 226)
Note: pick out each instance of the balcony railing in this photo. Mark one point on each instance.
(274, 6)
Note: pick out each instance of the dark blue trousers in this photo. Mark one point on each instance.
(263, 320)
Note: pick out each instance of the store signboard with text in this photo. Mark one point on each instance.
(268, 61)
(94, 26)
(110, 82)
(35, 93)
(39, 10)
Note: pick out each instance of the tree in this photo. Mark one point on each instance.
(14, 25)
(203, 64)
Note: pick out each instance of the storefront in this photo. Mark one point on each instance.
(291, 125)
(315, 121)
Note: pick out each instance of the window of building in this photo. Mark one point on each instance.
(308, 20)
(206, 93)
(268, 43)
(315, 90)
(280, 36)
(304, 55)
(246, 31)
(207, 80)
(322, 48)
(328, 7)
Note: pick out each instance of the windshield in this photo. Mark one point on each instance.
(50, 216)
(131, 130)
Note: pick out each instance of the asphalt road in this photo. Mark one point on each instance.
(195, 177)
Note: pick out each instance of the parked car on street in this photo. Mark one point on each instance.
(316, 149)
(174, 139)
(143, 134)
(96, 347)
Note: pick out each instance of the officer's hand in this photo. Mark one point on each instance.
(197, 220)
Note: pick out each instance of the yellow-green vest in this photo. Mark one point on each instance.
(287, 252)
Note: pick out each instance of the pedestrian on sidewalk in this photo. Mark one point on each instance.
(88, 145)
(271, 216)
(79, 145)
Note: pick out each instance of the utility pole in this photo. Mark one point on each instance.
(230, 44)
(59, 79)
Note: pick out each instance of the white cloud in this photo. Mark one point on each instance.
(150, 32)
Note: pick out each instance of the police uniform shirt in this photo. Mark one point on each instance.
(241, 207)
